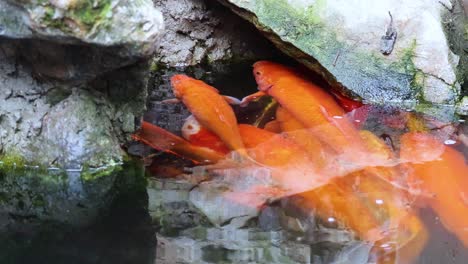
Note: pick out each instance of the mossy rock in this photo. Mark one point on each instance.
(345, 42)
(101, 22)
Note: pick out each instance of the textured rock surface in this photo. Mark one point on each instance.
(59, 126)
(54, 124)
(81, 39)
(229, 195)
(203, 31)
(343, 41)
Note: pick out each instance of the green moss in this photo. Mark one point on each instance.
(406, 61)
(155, 66)
(90, 174)
(407, 66)
(86, 14)
(90, 12)
(11, 162)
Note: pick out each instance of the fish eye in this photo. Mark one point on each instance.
(258, 73)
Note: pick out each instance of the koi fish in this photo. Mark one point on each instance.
(400, 226)
(309, 104)
(270, 148)
(319, 154)
(210, 109)
(200, 136)
(359, 115)
(346, 103)
(163, 140)
(273, 126)
(334, 204)
(442, 174)
(366, 202)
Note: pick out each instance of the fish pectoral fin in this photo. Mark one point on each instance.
(246, 100)
(232, 100)
(171, 101)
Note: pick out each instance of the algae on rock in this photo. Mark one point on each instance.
(341, 40)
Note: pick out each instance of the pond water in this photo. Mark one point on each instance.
(410, 208)
(396, 194)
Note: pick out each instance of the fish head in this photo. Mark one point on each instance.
(180, 83)
(183, 85)
(191, 127)
(268, 73)
(265, 73)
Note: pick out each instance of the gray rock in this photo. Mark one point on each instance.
(81, 39)
(342, 41)
(61, 125)
(229, 195)
(60, 132)
(134, 24)
(77, 131)
(200, 31)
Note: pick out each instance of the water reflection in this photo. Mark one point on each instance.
(81, 218)
(372, 171)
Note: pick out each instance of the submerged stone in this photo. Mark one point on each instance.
(384, 52)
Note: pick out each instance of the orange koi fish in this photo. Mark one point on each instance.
(373, 209)
(441, 173)
(163, 140)
(200, 136)
(366, 202)
(209, 108)
(320, 155)
(384, 189)
(270, 148)
(273, 126)
(334, 204)
(347, 104)
(308, 103)
(398, 225)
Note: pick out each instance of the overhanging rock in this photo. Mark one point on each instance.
(80, 39)
(383, 51)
